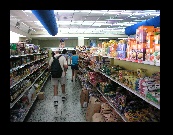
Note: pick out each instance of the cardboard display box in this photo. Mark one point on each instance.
(41, 96)
(98, 117)
(84, 98)
(94, 106)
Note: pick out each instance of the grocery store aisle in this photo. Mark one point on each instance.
(44, 110)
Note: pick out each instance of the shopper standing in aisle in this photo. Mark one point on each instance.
(74, 64)
(64, 53)
(62, 80)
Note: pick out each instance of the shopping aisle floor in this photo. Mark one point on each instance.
(44, 110)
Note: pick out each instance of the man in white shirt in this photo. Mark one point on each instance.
(62, 80)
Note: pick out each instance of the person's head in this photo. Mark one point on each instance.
(64, 51)
(58, 50)
(74, 52)
(53, 54)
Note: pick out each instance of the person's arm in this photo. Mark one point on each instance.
(70, 60)
(67, 59)
(65, 63)
(50, 62)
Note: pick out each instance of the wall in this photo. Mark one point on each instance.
(55, 43)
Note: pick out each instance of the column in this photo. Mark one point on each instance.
(80, 41)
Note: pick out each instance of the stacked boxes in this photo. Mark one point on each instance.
(121, 50)
(144, 40)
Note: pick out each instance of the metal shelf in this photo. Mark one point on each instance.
(112, 105)
(25, 114)
(133, 91)
(13, 56)
(12, 104)
(123, 117)
(26, 76)
(93, 69)
(19, 67)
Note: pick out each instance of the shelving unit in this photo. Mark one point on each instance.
(116, 110)
(29, 107)
(19, 67)
(25, 71)
(12, 104)
(26, 76)
(132, 91)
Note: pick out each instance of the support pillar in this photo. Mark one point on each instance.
(80, 41)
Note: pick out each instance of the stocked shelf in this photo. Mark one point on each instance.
(113, 107)
(12, 104)
(132, 91)
(110, 103)
(157, 65)
(26, 76)
(155, 105)
(132, 94)
(94, 69)
(19, 67)
(15, 56)
(29, 107)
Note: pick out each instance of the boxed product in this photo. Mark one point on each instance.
(133, 55)
(41, 96)
(98, 117)
(84, 98)
(121, 47)
(94, 106)
(121, 54)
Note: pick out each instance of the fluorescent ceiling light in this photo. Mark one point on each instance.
(100, 12)
(96, 24)
(155, 14)
(114, 19)
(140, 13)
(128, 24)
(103, 38)
(126, 13)
(28, 11)
(132, 22)
(139, 20)
(86, 38)
(133, 17)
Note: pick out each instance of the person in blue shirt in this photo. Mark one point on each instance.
(74, 64)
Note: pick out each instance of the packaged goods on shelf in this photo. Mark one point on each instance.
(122, 88)
(25, 70)
(17, 112)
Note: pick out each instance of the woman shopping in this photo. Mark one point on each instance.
(74, 65)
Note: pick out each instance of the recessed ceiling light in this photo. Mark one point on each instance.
(133, 17)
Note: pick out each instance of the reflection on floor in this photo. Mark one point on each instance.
(44, 110)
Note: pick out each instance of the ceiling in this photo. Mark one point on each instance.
(86, 23)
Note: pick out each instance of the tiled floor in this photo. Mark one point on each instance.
(44, 110)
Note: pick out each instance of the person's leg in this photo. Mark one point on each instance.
(55, 90)
(63, 81)
(54, 82)
(75, 72)
(72, 74)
